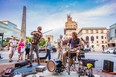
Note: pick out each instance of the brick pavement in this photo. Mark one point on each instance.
(4, 66)
(49, 74)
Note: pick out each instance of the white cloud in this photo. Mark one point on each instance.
(99, 11)
(99, 16)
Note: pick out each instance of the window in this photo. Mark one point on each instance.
(97, 41)
(102, 41)
(92, 38)
(92, 46)
(102, 37)
(87, 38)
(96, 37)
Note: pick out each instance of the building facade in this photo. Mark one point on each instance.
(112, 35)
(70, 26)
(95, 36)
(9, 29)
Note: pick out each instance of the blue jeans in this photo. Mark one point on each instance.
(48, 54)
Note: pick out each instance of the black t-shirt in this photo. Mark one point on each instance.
(74, 42)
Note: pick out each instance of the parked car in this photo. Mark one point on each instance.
(114, 51)
(109, 50)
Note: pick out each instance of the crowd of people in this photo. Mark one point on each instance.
(20, 47)
(25, 46)
(75, 44)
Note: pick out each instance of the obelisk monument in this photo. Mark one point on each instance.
(23, 25)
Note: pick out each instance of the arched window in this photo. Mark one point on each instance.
(102, 37)
(92, 38)
(87, 38)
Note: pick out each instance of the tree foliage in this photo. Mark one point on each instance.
(42, 42)
(30, 38)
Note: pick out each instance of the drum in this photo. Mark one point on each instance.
(55, 65)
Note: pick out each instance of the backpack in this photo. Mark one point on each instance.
(28, 45)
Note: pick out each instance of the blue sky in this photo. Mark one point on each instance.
(52, 14)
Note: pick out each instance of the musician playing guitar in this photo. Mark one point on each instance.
(74, 44)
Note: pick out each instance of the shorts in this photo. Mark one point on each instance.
(19, 51)
(11, 50)
(27, 51)
(71, 55)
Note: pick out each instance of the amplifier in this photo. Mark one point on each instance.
(108, 66)
(85, 61)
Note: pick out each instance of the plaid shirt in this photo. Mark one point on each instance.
(36, 36)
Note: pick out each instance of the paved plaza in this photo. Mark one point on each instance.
(4, 63)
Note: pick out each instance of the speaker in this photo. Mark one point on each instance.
(21, 64)
(108, 66)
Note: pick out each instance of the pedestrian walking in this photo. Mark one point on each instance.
(48, 48)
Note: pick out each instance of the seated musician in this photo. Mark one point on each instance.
(74, 43)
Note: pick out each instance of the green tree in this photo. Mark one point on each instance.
(42, 42)
(30, 38)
